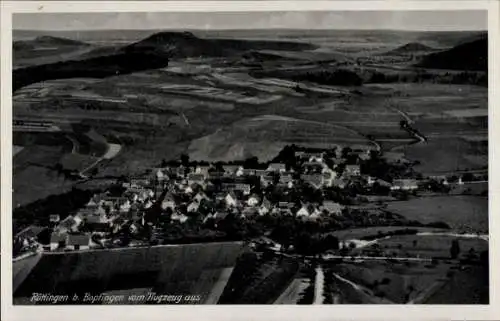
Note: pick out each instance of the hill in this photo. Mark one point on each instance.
(44, 41)
(409, 48)
(99, 67)
(471, 56)
(186, 44)
(195, 269)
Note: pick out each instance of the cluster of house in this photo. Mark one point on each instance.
(208, 192)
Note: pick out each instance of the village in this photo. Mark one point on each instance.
(307, 185)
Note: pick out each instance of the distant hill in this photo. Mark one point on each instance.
(46, 41)
(186, 44)
(467, 56)
(150, 53)
(409, 48)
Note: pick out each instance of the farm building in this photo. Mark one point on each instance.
(404, 184)
(78, 242)
(58, 241)
(352, 170)
(276, 167)
(332, 207)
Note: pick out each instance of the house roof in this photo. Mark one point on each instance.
(266, 202)
(277, 166)
(332, 206)
(196, 177)
(78, 239)
(220, 215)
(57, 237)
(286, 178)
(314, 179)
(285, 204)
(405, 182)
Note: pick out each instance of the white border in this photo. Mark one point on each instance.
(219, 313)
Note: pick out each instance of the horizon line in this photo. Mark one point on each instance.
(260, 29)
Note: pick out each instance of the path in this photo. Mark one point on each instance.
(112, 151)
(319, 286)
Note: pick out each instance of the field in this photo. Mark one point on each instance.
(191, 269)
(264, 136)
(428, 246)
(461, 213)
(398, 283)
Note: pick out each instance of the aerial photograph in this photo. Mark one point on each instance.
(287, 157)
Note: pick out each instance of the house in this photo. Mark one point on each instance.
(299, 154)
(139, 182)
(125, 207)
(303, 211)
(339, 182)
(194, 178)
(117, 223)
(70, 223)
(230, 169)
(249, 212)
(200, 196)
(188, 190)
(54, 218)
(328, 178)
(160, 176)
(100, 227)
(352, 170)
(332, 207)
(92, 204)
(265, 207)
(260, 172)
(249, 172)
(193, 206)
(203, 170)
(285, 204)
(315, 180)
(237, 187)
(181, 218)
(253, 200)
(276, 167)
(180, 171)
(286, 179)
(148, 204)
(266, 180)
(404, 184)
(78, 242)
(240, 171)
(90, 219)
(316, 158)
(244, 188)
(58, 241)
(220, 215)
(231, 199)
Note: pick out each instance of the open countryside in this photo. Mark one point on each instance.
(251, 166)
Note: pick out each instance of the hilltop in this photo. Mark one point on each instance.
(467, 56)
(44, 41)
(411, 47)
(186, 44)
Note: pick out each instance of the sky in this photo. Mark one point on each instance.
(396, 20)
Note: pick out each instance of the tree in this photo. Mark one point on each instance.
(185, 160)
(415, 243)
(454, 249)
